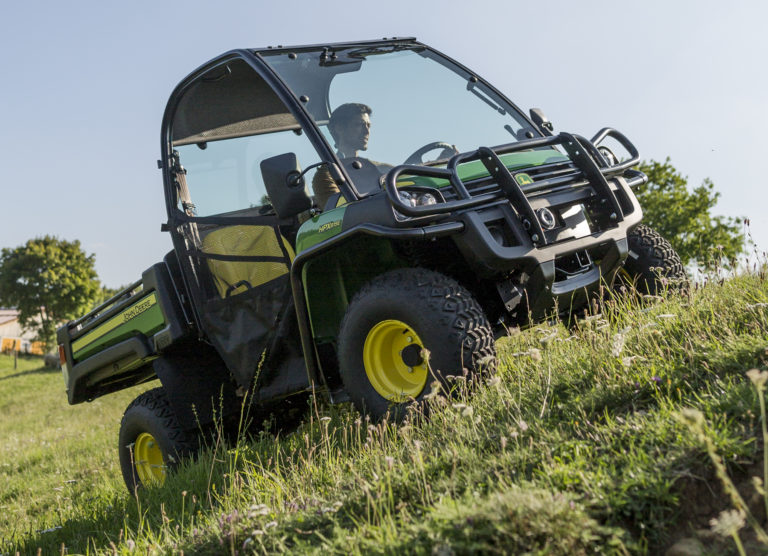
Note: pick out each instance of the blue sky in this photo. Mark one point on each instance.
(84, 86)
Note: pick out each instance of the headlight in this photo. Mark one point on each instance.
(426, 199)
(407, 198)
(417, 198)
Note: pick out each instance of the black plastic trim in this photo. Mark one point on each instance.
(137, 346)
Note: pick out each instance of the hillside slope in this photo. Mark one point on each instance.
(575, 447)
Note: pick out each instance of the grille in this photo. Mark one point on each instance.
(547, 178)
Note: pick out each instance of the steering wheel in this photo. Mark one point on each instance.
(448, 151)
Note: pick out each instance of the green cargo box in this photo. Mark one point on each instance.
(113, 346)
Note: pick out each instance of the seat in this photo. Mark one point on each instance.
(268, 257)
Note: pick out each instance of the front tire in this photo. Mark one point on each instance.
(406, 329)
(653, 265)
(151, 440)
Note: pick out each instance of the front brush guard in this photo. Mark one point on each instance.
(583, 154)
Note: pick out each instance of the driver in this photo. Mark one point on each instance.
(350, 127)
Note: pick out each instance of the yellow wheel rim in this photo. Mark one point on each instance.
(148, 459)
(389, 347)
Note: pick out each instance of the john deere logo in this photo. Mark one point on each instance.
(523, 179)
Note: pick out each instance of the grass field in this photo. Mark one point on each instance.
(577, 446)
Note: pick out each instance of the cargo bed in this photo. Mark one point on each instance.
(113, 346)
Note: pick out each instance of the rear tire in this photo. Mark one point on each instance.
(653, 265)
(406, 329)
(151, 440)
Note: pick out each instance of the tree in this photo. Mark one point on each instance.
(49, 281)
(683, 216)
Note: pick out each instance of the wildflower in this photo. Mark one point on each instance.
(693, 416)
(757, 483)
(270, 525)
(467, 411)
(390, 461)
(523, 425)
(547, 340)
(258, 509)
(130, 544)
(656, 379)
(728, 523)
(325, 419)
(503, 441)
(535, 354)
(434, 390)
(618, 344)
(493, 381)
(486, 361)
(627, 362)
(757, 377)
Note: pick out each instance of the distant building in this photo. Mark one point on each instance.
(13, 337)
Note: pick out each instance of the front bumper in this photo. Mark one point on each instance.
(538, 263)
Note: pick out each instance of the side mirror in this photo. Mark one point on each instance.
(285, 185)
(541, 121)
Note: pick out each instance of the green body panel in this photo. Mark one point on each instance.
(475, 170)
(332, 279)
(319, 228)
(143, 317)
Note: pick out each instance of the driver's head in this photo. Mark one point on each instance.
(350, 126)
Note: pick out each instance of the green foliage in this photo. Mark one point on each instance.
(49, 280)
(683, 216)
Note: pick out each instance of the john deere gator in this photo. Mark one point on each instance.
(357, 220)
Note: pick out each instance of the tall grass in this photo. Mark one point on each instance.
(575, 447)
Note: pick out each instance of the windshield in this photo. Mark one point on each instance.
(397, 104)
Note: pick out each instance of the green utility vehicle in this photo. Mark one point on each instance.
(431, 215)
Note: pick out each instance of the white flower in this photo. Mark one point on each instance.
(757, 377)
(728, 522)
(618, 344)
(493, 381)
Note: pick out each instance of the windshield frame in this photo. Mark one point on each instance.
(406, 43)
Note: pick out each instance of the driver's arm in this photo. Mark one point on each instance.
(323, 187)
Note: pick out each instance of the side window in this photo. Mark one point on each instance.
(225, 176)
(224, 126)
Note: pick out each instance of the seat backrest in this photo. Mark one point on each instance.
(265, 248)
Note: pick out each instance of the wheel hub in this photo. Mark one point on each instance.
(393, 360)
(411, 355)
(148, 460)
